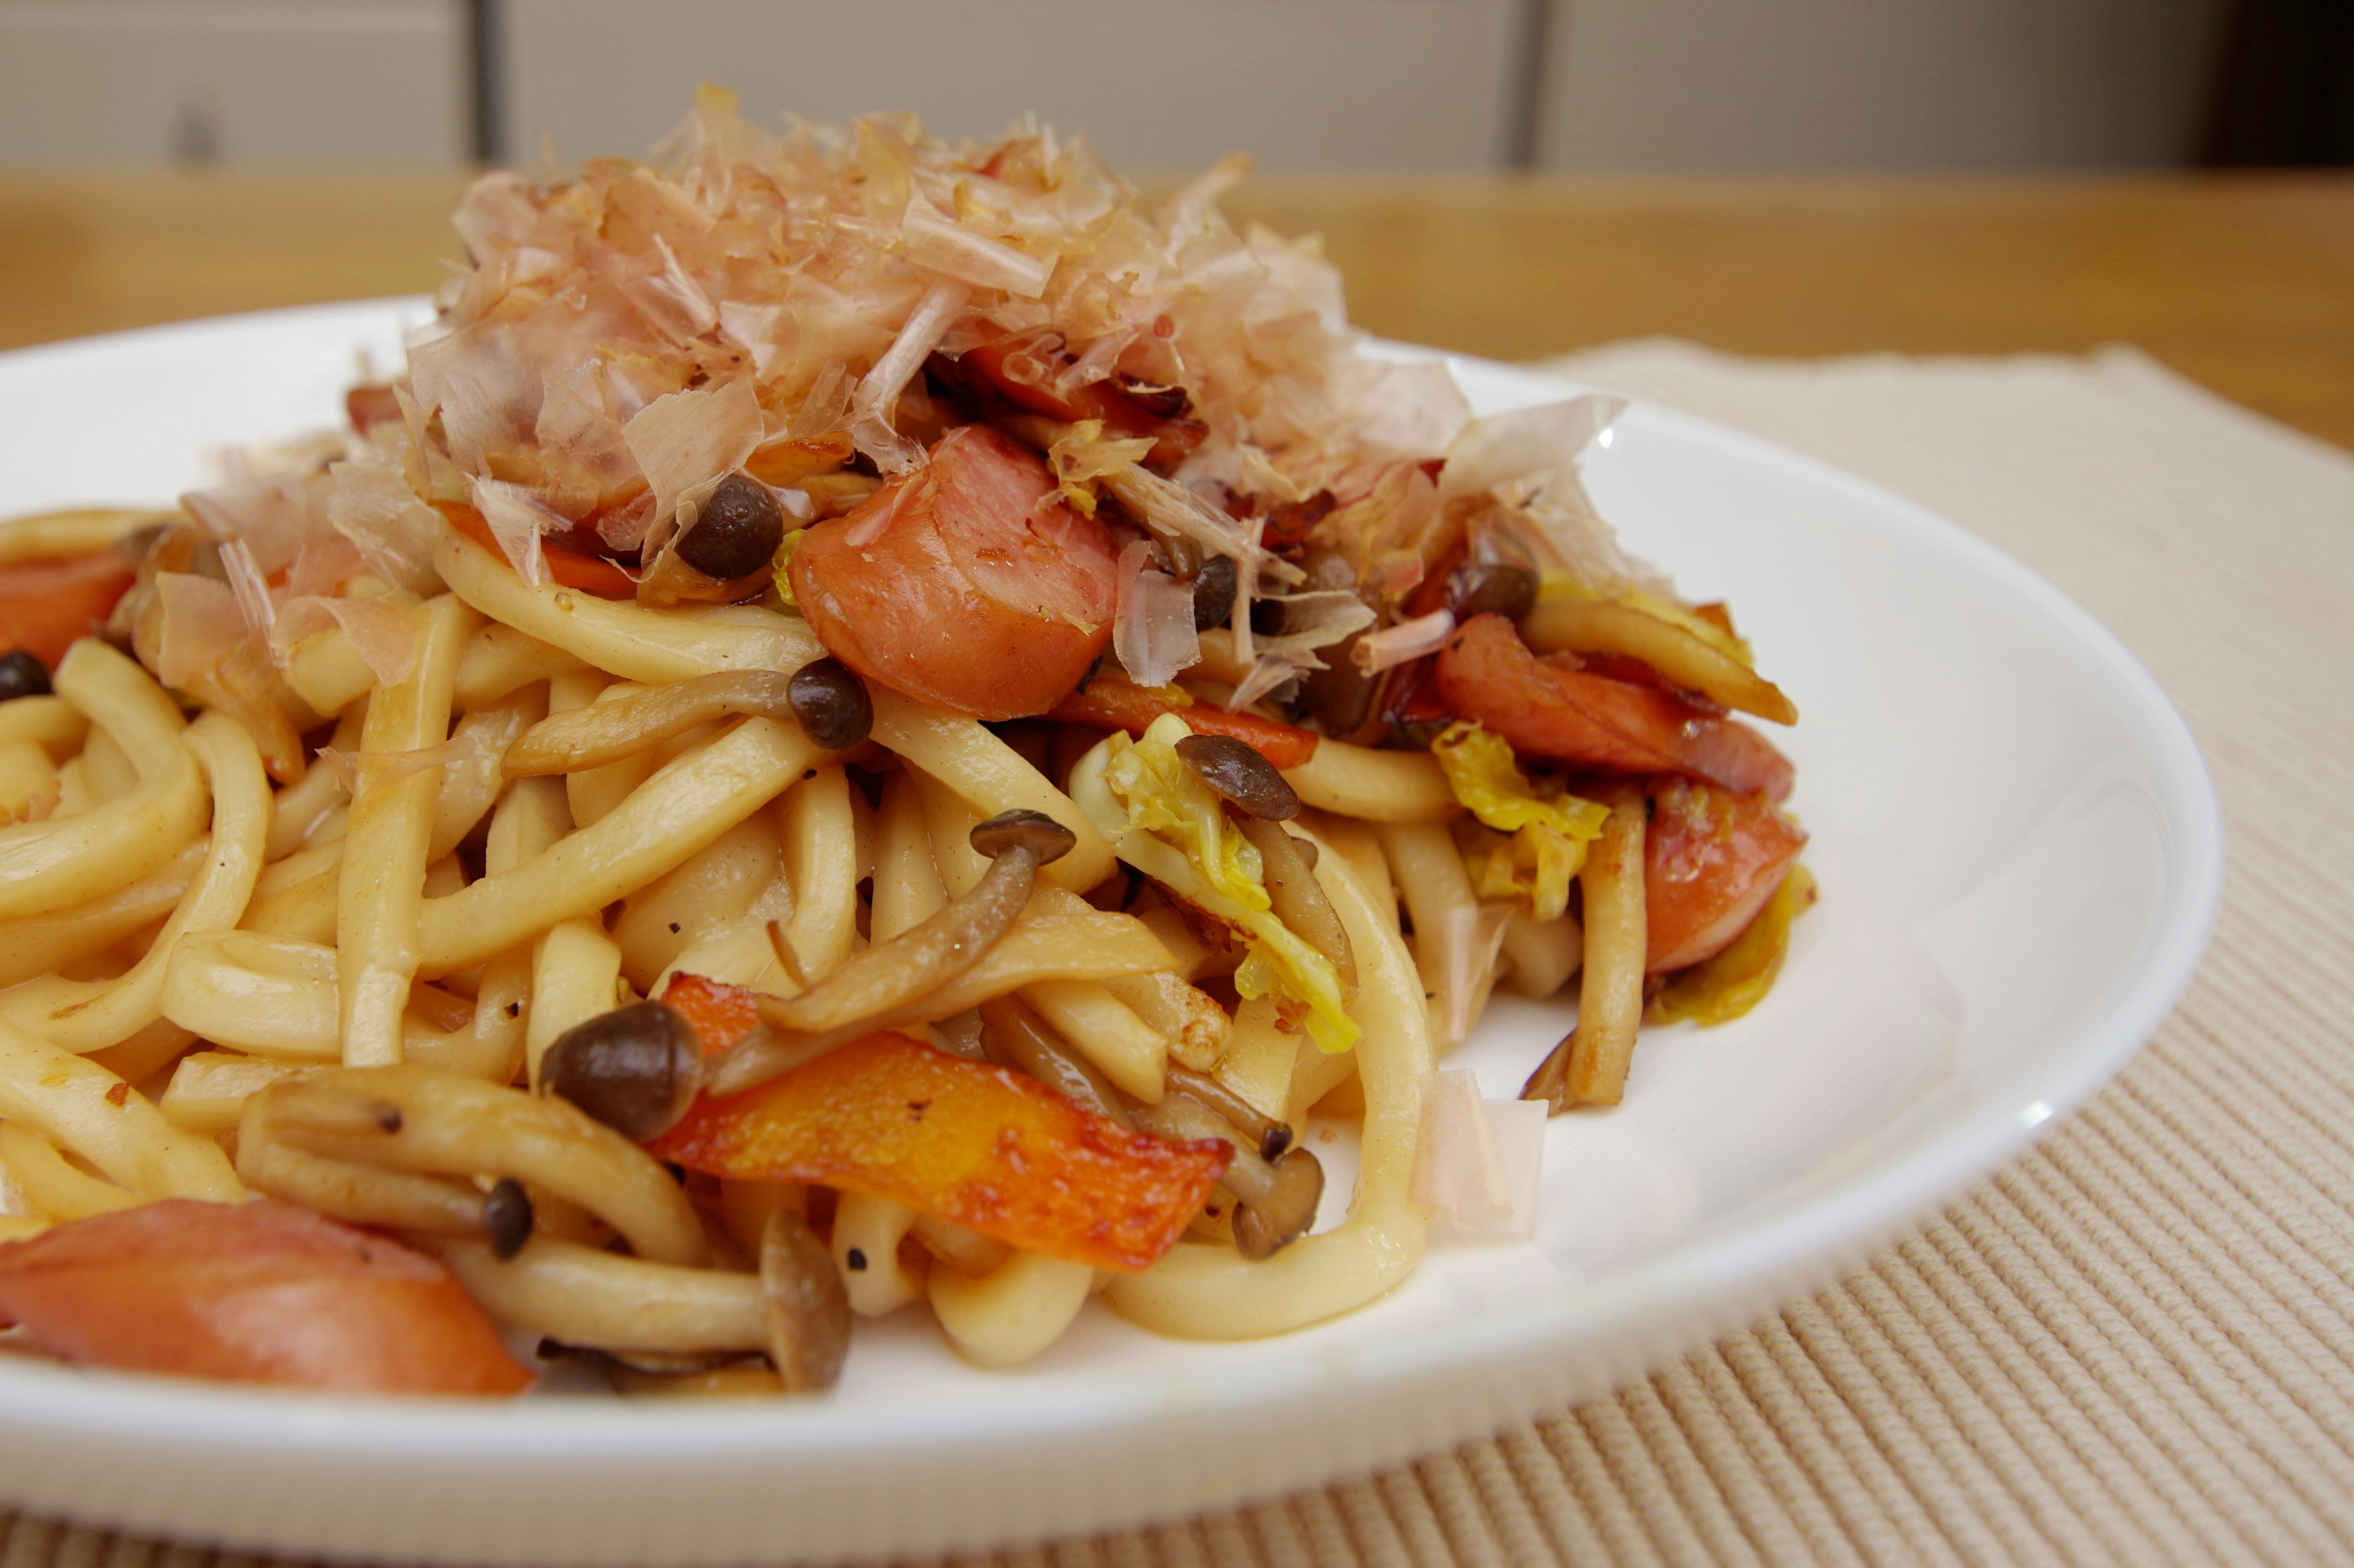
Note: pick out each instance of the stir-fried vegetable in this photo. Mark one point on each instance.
(1549, 835)
(1166, 820)
(1110, 701)
(977, 1145)
(1721, 989)
(259, 1292)
(720, 1014)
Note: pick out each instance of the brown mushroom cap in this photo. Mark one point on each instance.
(808, 1306)
(636, 1068)
(507, 1218)
(1275, 1222)
(831, 704)
(1240, 774)
(1047, 840)
(1491, 587)
(1214, 593)
(736, 532)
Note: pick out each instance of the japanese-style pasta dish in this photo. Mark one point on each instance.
(868, 726)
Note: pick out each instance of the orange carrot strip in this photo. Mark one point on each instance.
(1108, 703)
(722, 1014)
(988, 1149)
(570, 569)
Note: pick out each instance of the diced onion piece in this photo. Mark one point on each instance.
(200, 626)
(1479, 1163)
(1152, 631)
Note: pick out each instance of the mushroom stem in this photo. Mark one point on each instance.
(918, 959)
(1015, 1036)
(299, 1108)
(603, 732)
(1275, 1203)
(768, 1052)
(1248, 1176)
(807, 1305)
(1299, 898)
(1273, 1137)
(916, 962)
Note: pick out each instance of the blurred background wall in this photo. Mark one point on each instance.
(1404, 85)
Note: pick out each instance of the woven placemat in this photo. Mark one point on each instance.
(2137, 1343)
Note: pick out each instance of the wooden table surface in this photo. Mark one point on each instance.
(2243, 282)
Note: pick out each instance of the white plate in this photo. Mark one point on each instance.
(2019, 854)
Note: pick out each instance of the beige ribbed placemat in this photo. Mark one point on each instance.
(2135, 1345)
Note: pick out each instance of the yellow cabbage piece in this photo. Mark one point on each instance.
(783, 584)
(1720, 989)
(1549, 834)
(1171, 808)
(1083, 456)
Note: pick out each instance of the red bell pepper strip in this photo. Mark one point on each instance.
(1109, 702)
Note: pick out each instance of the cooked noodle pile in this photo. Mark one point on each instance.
(868, 722)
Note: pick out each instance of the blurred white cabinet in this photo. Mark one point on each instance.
(1623, 85)
(1301, 84)
(349, 83)
(1833, 85)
